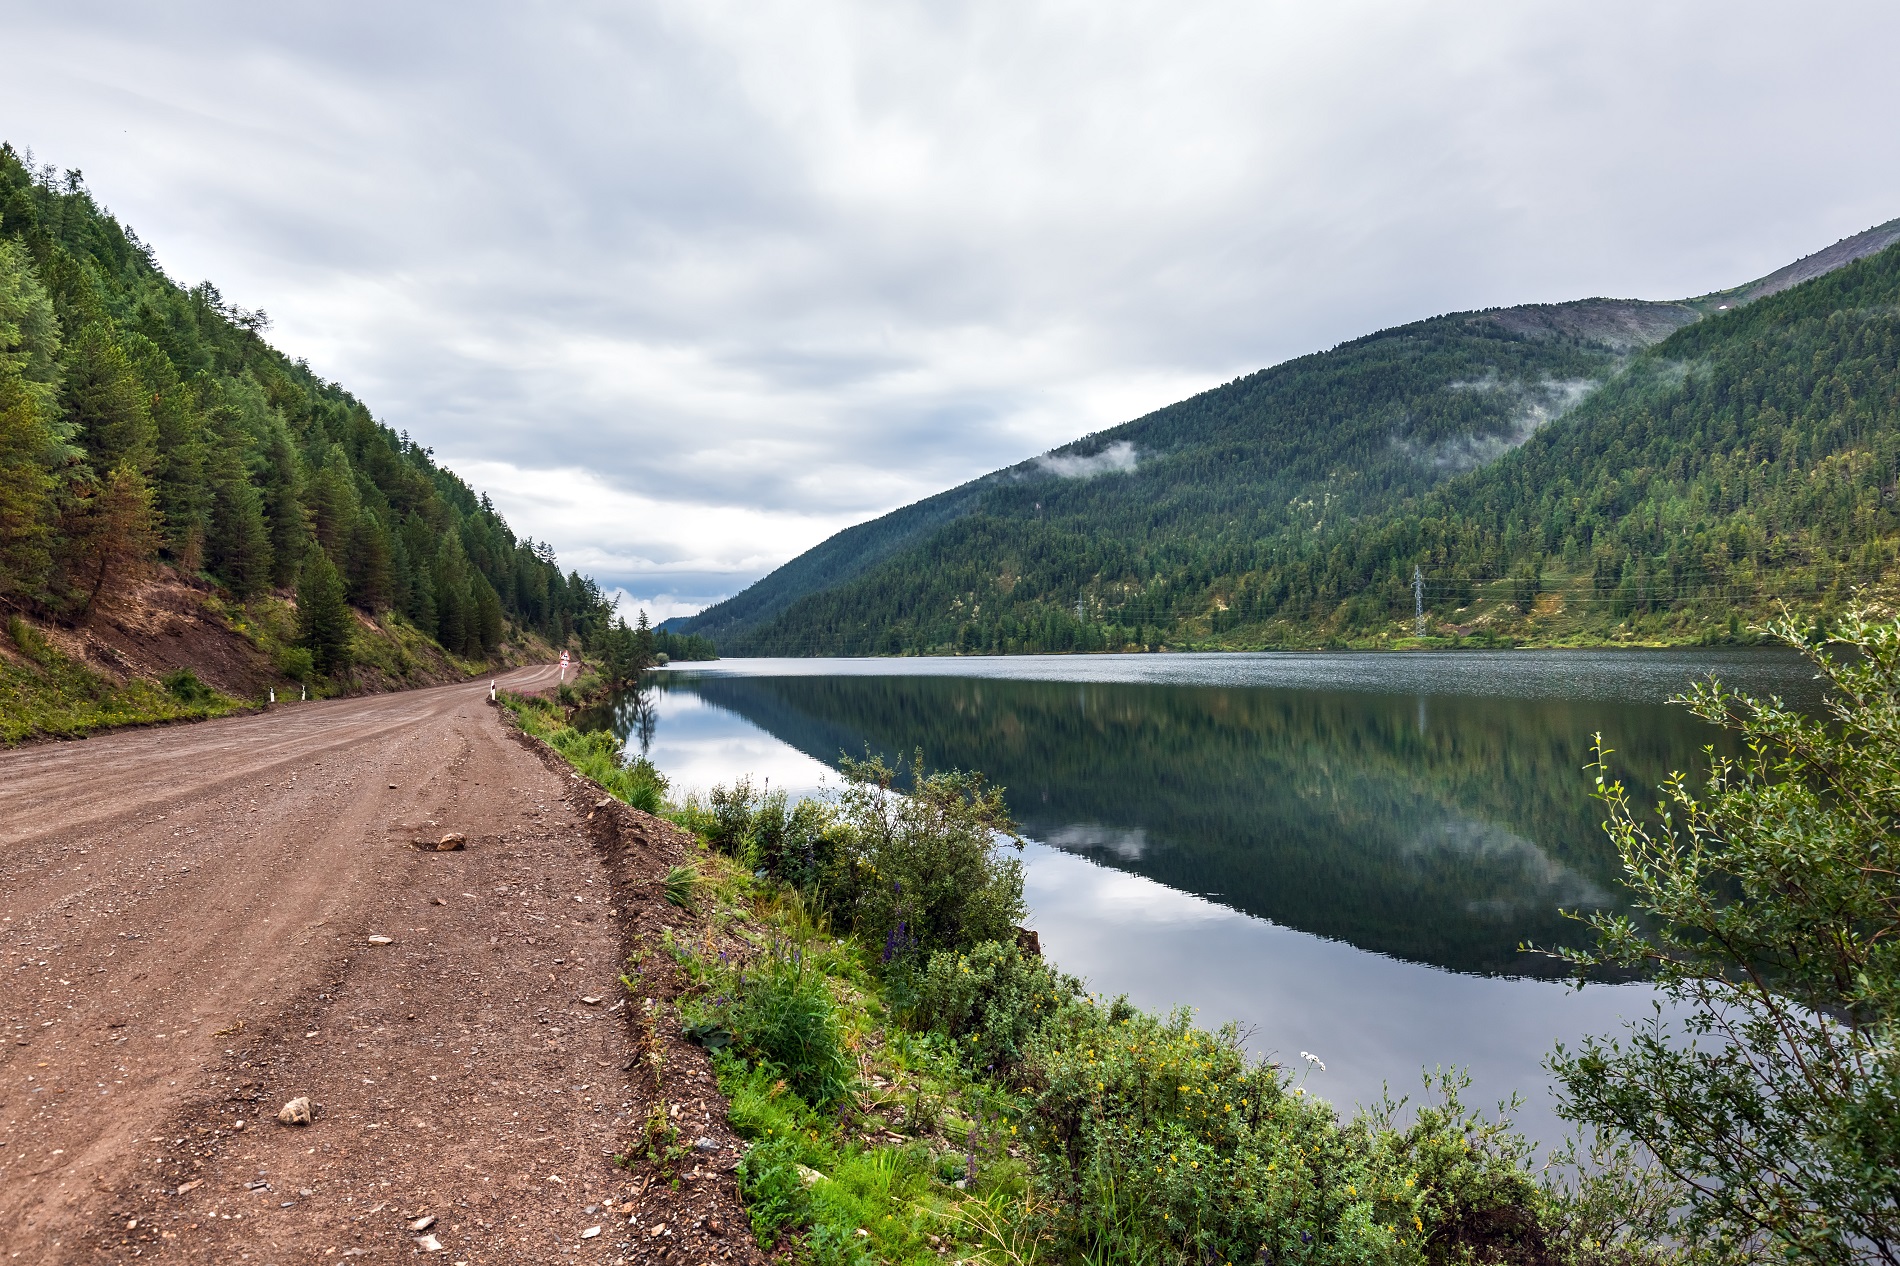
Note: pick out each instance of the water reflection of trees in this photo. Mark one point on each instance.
(1445, 830)
(633, 715)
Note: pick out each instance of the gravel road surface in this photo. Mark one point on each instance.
(200, 923)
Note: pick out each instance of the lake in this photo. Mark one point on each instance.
(1341, 852)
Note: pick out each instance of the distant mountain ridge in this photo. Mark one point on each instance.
(1204, 523)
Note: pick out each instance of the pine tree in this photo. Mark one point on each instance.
(488, 619)
(108, 404)
(29, 379)
(324, 622)
(370, 578)
(643, 642)
(121, 533)
(183, 494)
(283, 507)
(238, 551)
(455, 617)
(332, 502)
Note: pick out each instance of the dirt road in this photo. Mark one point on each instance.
(191, 920)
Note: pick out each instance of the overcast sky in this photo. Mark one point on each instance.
(688, 287)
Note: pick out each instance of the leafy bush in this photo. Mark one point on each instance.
(28, 639)
(296, 663)
(183, 685)
(1165, 1142)
(795, 844)
(991, 999)
(1770, 900)
(773, 1187)
(782, 1014)
(924, 871)
(731, 810)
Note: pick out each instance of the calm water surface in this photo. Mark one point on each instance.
(1341, 852)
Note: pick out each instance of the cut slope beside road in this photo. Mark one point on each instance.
(186, 917)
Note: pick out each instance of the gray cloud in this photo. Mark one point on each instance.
(690, 285)
(1118, 458)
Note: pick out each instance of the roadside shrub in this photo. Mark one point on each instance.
(774, 1189)
(1164, 1142)
(731, 810)
(296, 663)
(781, 1013)
(795, 844)
(925, 870)
(183, 685)
(990, 999)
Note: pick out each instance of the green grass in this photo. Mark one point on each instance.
(595, 753)
(52, 696)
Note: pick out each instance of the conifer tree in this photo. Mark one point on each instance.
(29, 378)
(368, 567)
(457, 623)
(108, 404)
(488, 619)
(284, 508)
(324, 622)
(238, 551)
(182, 494)
(332, 502)
(120, 533)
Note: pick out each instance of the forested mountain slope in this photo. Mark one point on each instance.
(153, 446)
(1599, 470)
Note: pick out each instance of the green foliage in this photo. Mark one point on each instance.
(1552, 481)
(729, 813)
(324, 622)
(926, 868)
(991, 999)
(595, 753)
(297, 663)
(683, 647)
(680, 885)
(798, 844)
(783, 1016)
(598, 755)
(625, 652)
(1163, 1142)
(183, 685)
(1772, 1089)
(140, 420)
(30, 432)
(773, 1188)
